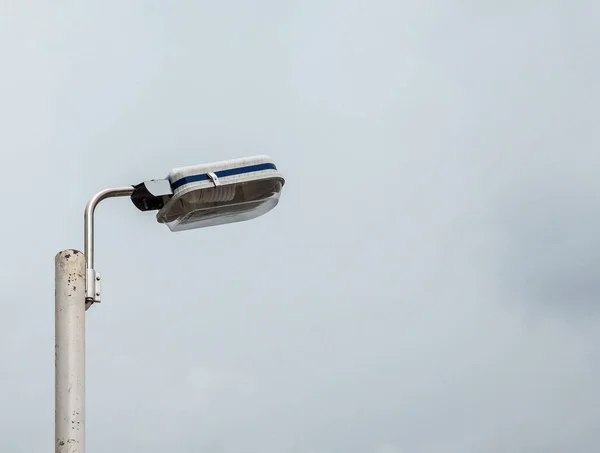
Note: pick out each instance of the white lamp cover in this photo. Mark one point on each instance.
(222, 192)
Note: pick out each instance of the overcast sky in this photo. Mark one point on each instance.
(430, 281)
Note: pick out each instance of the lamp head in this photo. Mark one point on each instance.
(213, 194)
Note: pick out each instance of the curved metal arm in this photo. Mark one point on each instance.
(91, 294)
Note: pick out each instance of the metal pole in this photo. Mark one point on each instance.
(69, 318)
(124, 191)
(92, 292)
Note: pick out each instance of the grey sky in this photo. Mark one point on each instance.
(429, 282)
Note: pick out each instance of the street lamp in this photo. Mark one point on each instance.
(189, 198)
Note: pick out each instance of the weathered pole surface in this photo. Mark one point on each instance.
(69, 318)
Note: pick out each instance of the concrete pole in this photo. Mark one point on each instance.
(69, 318)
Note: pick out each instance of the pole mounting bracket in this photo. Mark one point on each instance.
(93, 292)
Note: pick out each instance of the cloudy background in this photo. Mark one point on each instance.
(429, 283)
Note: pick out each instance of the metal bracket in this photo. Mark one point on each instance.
(92, 278)
(214, 178)
(93, 287)
(151, 195)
